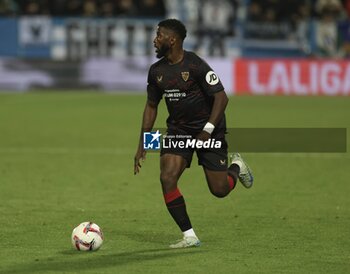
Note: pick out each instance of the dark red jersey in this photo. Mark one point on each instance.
(188, 89)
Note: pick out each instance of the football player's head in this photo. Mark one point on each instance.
(170, 33)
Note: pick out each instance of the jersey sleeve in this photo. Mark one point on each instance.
(153, 92)
(208, 79)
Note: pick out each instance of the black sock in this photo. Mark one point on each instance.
(233, 171)
(177, 209)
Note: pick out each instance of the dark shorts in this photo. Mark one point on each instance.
(212, 158)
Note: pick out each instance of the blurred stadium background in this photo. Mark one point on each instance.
(66, 153)
(257, 47)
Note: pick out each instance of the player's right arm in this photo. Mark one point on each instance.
(154, 95)
(149, 117)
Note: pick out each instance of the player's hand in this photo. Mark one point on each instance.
(139, 156)
(203, 136)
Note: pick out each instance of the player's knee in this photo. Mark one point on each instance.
(168, 178)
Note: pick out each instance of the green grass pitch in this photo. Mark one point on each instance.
(67, 157)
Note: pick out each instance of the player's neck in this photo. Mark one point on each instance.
(175, 56)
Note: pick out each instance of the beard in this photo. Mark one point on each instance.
(161, 52)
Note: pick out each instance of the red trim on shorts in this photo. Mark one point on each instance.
(171, 196)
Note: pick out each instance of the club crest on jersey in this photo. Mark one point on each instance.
(159, 78)
(185, 75)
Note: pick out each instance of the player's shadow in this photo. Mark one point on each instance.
(73, 261)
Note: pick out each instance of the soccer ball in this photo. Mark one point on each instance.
(87, 236)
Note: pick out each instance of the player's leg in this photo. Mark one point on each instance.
(219, 182)
(220, 178)
(172, 166)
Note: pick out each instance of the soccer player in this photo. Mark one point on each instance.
(196, 102)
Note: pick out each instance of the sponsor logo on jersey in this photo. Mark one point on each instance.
(174, 94)
(185, 75)
(159, 78)
(211, 78)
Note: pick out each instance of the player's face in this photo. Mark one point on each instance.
(162, 42)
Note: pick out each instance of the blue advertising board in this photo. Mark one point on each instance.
(9, 37)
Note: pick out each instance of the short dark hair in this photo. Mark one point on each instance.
(175, 25)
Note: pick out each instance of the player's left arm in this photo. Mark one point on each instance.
(212, 87)
(218, 110)
(219, 106)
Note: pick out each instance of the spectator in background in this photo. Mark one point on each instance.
(329, 6)
(301, 24)
(215, 23)
(8, 8)
(326, 29)
(90, 8)
(272, 10)
(254, 13)
(125, 8)
(34, 7)
(107, 8)
(276, 19)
